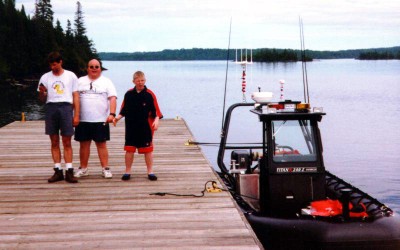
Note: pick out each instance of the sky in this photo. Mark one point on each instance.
(155, 25)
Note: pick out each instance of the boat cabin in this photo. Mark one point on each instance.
(292, 171)
(289, 172)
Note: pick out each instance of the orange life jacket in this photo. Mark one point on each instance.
(330, 208)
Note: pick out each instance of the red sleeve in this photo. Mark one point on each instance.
(158, 111)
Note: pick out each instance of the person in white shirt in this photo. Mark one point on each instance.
(98, 102)
(59, 89)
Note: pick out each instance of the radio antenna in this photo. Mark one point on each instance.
(303, 62)
(226, 75)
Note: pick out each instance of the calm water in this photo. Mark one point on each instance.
(361, 98)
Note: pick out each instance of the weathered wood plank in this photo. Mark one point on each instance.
(112, 214)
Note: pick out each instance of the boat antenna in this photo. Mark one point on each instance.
(303, 62)
(226, 74)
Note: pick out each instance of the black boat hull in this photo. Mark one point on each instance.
(296, 233)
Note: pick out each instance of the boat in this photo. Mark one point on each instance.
(285, 191)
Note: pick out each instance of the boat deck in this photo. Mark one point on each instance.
(99, 213)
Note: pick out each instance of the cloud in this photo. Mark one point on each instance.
(154, 25)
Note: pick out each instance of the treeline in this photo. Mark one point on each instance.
(272, 55)
(260, 55)
(375, 55)
(168, 55)
(351, 53)
(26, 41)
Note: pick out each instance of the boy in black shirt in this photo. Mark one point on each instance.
(142, 114)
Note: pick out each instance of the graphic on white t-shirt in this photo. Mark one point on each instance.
(58, 86)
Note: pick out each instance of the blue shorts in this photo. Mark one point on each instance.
(96, 131)
(59, 117)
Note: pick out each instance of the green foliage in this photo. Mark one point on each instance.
(25, 42)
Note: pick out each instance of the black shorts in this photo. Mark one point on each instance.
(138, 133)
(96, 131)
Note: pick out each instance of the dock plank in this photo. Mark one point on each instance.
(109, 213)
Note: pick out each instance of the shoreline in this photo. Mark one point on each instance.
(13, 84)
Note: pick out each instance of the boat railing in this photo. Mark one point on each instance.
(374, 208)
(223, 146)
(224, 135)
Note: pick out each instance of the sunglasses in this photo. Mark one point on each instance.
(94, 67)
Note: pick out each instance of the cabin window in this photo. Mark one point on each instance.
(294, 141)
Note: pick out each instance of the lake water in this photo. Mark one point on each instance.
(361, 98)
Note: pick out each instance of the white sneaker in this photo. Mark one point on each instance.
(82, 172)
(107, 173)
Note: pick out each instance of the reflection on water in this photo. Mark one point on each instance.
(17, 100)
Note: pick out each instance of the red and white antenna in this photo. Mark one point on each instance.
(244, 62)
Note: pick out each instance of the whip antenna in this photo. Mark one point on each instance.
(303, 62)
(226, 74)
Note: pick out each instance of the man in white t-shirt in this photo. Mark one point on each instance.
(59, 89)
(98, 102)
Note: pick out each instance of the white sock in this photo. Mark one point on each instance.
(57, 165)
(68, 165)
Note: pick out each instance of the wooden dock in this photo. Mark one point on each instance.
(99, 213)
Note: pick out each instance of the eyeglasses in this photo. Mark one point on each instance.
(94, 67)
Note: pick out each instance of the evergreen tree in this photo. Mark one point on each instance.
(69, 33)
(43, 10)
(58, 26)
(59, 35)
(69, 54)
(42, 34)
(80, 30)
(84, 49)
